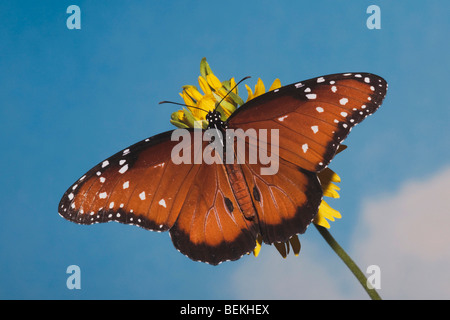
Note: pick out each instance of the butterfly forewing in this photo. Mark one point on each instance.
(314, 116)
(138, 185)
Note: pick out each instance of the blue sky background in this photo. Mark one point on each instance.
(71, 98)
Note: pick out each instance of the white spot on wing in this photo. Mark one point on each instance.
(343, 101)
(123, 169)
(305, 147)
(102, 195)
(142, 195)
(105, 163)
(321, 79)
(319, 109)
(162, 202)
(126, 185)
(315, 129)
(311, 96)
(282, 118)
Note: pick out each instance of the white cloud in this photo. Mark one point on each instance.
(407, 234)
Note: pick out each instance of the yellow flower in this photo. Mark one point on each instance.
(260, 88)
(214, 91)
(198, 103)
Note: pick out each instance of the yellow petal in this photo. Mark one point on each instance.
(259, 88)
(204, 85)
(207, 103)
(213, 81)
(326, 177)
(193, 92)
(187, 99)
(321, 221)
(275, 85)
(258, 245)
(232, 85)
(250, 93)
(177, 115)
(330, 191)
(329, 212)
(326, 212)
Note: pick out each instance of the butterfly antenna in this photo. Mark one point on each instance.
(184, 105)
(245, 78)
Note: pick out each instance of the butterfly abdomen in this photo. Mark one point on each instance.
(240, 190)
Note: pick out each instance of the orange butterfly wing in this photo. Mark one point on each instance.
(312, 119)
(314, 116)
(141, 185)
(286, 202)
(211, 226)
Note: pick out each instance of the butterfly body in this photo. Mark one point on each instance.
(234, 171)
(214, 212)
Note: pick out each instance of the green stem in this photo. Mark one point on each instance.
(348, 261)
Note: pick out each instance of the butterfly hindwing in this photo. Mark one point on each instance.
(286, 201)
(211, 226)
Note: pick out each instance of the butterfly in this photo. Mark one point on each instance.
(214, 212)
